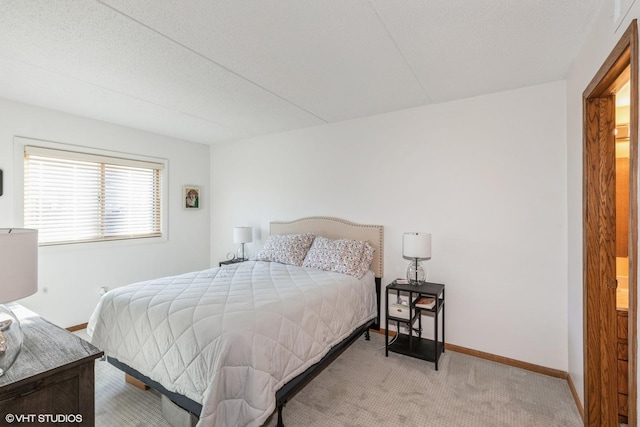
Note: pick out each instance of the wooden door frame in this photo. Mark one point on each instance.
(599, 278)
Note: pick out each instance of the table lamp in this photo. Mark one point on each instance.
(18, 279)
(416, 247)
(242, 235)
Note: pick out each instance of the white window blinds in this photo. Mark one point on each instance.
(78, 197)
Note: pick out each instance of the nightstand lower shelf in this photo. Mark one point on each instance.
(421, 348)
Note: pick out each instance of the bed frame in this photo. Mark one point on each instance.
(333, 228)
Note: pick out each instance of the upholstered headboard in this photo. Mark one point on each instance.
(336, 228)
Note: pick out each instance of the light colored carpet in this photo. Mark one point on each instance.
(121, 404)
(363, 388)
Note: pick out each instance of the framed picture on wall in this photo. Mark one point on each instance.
(191, 197)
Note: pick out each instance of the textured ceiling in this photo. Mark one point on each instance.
(212, 70)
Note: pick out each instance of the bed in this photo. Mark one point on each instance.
(234, 343)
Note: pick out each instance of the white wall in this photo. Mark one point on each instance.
(70, 275)
(594, 52)
(486, 176)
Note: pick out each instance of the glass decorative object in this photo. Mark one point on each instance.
(10, 338)
(416, 272)
(243, 252)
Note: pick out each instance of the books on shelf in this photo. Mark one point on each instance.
(426, 303)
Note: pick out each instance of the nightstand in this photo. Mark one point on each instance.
(231, 261)
(409, 314)
(53, 374)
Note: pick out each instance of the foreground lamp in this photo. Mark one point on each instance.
(242, 235)
(416, 247)
(18, 279)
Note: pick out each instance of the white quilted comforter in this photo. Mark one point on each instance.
(230, 337)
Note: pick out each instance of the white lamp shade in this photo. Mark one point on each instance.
(18, 263)
(242, 235)
(416, 245)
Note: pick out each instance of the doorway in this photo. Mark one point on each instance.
(610, 239)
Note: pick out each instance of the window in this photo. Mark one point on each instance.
(79, 197)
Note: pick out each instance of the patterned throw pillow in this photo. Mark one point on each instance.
(367, 259)
(348, 257)
(286, 248)
(319, 256)
(345, 256)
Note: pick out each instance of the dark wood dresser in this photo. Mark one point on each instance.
(52, 380)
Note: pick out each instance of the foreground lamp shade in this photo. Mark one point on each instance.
(18, 263)
(242, 235)
(18, 279)
(417, 247)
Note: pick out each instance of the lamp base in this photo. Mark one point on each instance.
(416, 273)
(243, 252)
(10, 338)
